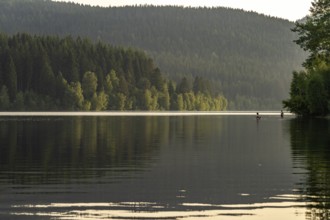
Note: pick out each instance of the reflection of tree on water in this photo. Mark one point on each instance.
(53, 150)
(40, 150)
(310, 140)
(48, 149)
(194, 128)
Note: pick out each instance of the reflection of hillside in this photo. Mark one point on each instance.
(310, 140)
(194, 128)
(47, 149)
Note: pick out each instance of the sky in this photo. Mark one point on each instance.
(288, 9)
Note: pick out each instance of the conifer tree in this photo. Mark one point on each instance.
(10, 76)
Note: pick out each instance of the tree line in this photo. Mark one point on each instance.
(54, 73)
(310, 88)
(247, 56)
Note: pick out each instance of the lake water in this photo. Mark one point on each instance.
(164, 167)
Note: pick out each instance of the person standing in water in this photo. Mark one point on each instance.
(282, 114)
(258, 116)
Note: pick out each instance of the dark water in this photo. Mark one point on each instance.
(192, 167)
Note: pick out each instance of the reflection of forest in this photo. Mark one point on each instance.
(40, 150)
(310, 140)
(75, 147)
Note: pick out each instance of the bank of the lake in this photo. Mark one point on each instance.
(146, 113)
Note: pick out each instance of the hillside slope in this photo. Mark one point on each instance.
(249, 57)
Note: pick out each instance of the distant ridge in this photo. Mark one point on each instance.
(248, 56)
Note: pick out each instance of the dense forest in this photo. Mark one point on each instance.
(249, 57)
(310, 88)
(53, 73)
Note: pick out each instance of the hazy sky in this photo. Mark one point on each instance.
(288, 9)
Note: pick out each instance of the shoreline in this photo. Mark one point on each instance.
(146, 113)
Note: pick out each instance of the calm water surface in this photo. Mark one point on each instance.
(191, 167)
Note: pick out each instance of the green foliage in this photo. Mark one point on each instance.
(201, 85)
(298, 101)
(164, 98)
(316, 96)
(33, 76)
(4, 98)
(120, 101)
(184, 86)
(148, 100)
(10, 76)
(73, 97)
(246, 56)
(180, 103)
(89, 85)
(310, 94)
(19, 102)
(100, 102)
(310, 90)
(314, 32)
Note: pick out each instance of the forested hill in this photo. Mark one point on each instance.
(249, 57)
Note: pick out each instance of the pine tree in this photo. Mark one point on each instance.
(10, 76)
(89, 85)
(4, 98)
